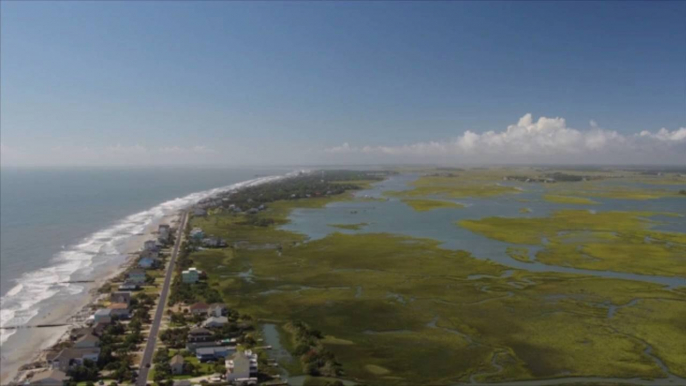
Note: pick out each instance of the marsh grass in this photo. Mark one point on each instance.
(353, 227)
(569, 200)
(423, 205)
(461, 186)
(397, 310)
(615, 241)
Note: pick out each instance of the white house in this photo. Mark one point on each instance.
(217, 309)
(215, 321)
(241, 365)
(191, 275)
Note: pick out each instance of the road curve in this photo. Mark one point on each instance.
(157, 319)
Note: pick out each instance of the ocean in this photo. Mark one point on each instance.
(66, 224)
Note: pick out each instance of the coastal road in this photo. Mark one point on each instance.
(157, 319)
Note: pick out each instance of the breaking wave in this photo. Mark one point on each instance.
(23, 302)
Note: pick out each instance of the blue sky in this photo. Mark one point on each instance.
(229, 82)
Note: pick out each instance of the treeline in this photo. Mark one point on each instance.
(315, 359)
(564, 177)
(322, 183)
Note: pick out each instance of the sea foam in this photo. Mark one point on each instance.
(34, 289)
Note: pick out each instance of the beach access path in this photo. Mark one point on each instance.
(157, 319)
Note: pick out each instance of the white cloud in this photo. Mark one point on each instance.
(119, 149)
(344, 148)
(666, 135)
(542, 140)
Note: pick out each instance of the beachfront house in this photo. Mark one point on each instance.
(119, 310)
(215, 322)
(87, 341)
(96, 329)
(136, 276)
(121, 297)
(191, 275)
(196, 234)
(150, 254)
(49, 378)
(147, 263)
(217, 309)
(78, 332)
(103, 315)
(199, 309)
(206, 354)
(164, 233)
(71, 357)
(241, 366)
(129, 286)
(150, 245)
(199, 212)
(176, 364)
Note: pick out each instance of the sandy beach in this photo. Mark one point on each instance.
(29, 345)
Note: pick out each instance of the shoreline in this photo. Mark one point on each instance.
(37, 342)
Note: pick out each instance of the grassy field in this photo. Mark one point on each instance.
(615, 241)
(402, 311)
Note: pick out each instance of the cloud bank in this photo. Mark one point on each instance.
(529, 141)
(546, 140)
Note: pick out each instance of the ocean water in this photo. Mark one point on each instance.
(62, 224)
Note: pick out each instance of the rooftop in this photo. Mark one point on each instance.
(103, 312)
(118, 306)
(176, 360)
(199, 306)
(50, 374)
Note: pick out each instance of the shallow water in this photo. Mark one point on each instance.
(390, 215)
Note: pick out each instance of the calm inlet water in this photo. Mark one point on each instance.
(390, 215)
(64, 224)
